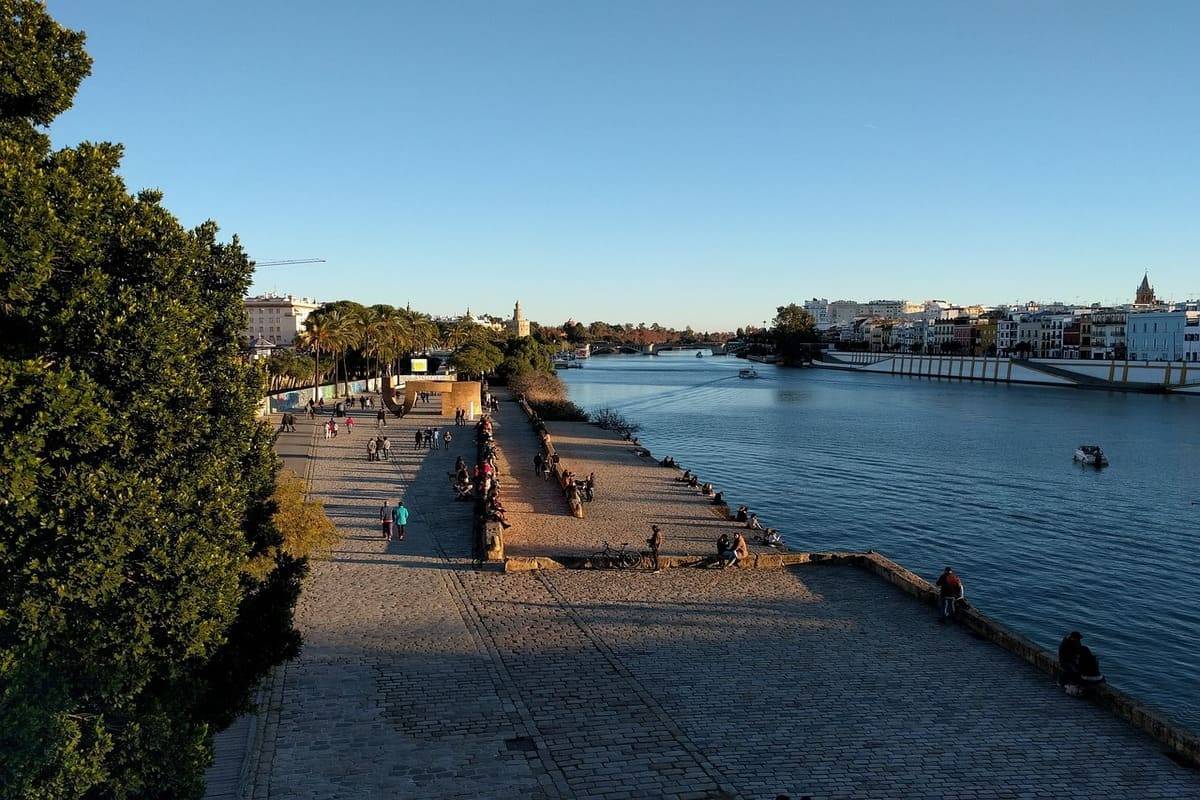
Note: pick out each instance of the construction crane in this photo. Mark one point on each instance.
(288, 262)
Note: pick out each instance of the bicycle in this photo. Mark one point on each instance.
(614, 558)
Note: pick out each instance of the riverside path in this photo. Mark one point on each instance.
(424, 677)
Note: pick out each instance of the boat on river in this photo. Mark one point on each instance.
(748, 372)
(699, 354)
(1091, 454)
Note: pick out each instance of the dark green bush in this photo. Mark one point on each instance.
(558, 411)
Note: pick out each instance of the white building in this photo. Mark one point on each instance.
(1163, 336)
(1007, 334)
(940, 333)
(1044, 333)
(884, 309)
(818, 308)
(909, 336)
(277, 319)
(844, 312)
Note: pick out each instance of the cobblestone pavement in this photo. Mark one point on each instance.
(423, 677)
(632, 494)
(533, 504)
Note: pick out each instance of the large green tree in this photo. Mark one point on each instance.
(135, 483)
(476, 359)
(793, 332)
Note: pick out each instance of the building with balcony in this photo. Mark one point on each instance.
(1102, 335)
(818, 308)
(277, 319)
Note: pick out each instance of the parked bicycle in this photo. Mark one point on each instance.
(610, 557)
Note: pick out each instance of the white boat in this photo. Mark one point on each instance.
(1091, 454)
(748, 372)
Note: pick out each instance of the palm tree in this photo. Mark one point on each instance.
(463, 331)
(393, 335)
(345, 336)
(422, 331)
(319, 334)
(364, 323)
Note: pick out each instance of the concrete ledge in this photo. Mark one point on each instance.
(530, 563)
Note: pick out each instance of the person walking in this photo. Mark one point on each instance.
(437, 434)
(372, 447)
(349, 425)
(655, 543)
(380, 419)
(387, 449)
(400, 518)
(537, 464)
(385, 521)
(333, 425)
(447, 439)
(950, 592)
(419, 435)
(328, 428)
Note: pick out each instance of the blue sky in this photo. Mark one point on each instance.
(690, 162)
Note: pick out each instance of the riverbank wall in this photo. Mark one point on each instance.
(1181, 377)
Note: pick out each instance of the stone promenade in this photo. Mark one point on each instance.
(424, 677)
(633, 493)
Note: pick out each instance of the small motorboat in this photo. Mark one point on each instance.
(748, 372)
(1091, 454)
(699, 354)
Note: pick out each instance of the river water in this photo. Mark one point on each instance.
(977, 476)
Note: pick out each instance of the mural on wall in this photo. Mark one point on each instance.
(296, 399)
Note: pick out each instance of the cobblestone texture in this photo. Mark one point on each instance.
(425, 678)
(632, 494)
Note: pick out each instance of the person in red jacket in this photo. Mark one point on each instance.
(950, 591)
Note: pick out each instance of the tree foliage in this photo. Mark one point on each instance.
(476, 359)
(135, 483)
(793, 331)
(524, 354)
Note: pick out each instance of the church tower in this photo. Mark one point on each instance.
(1145, 292)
